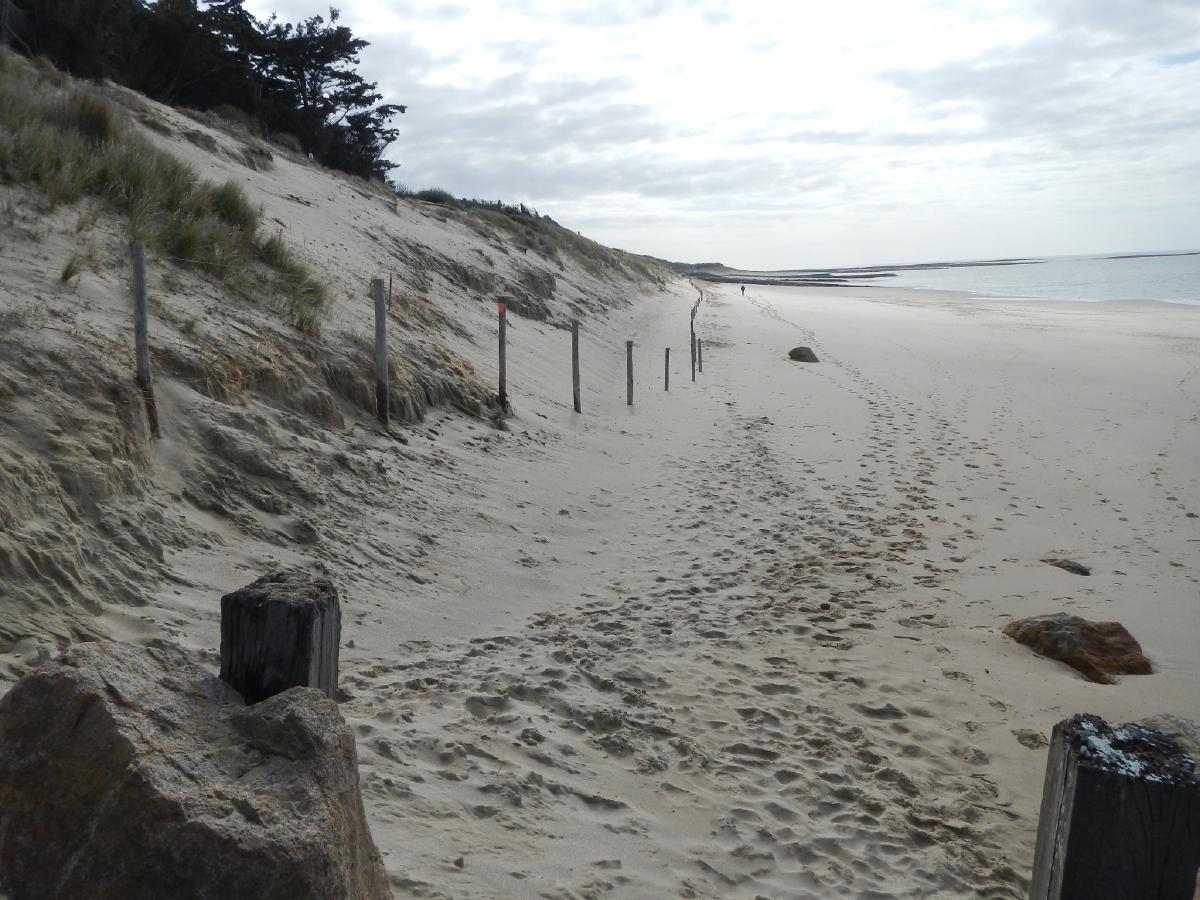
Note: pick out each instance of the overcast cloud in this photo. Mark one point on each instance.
(777, 135)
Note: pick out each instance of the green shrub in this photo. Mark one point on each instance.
(436, 195)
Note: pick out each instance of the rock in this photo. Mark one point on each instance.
(1097, 649)
(281, 631)
(1068, 565)
(133, 773)
(802, 354)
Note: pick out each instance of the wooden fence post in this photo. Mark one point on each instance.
(667, 370)
(382, 410)
(500, 311)
(141, 335)
(700, 356)
(281, 631)
(629, 373)
(1120, 815)
(575, 365)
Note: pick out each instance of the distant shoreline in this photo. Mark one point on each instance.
(720, 274)
(851, 275)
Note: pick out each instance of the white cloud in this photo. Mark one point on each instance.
(779, 135)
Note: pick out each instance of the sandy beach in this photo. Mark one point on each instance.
(743, 639)
(739, 639)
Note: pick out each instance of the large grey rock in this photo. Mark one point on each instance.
(133, 773)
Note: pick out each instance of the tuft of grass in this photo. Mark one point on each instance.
(302, 298)
(72, 267)
(69, 142)
(231, 207)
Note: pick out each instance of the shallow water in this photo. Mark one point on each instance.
(1174, 279)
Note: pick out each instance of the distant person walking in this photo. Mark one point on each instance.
(743, 290)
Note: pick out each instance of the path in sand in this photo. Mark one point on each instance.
(739, 678)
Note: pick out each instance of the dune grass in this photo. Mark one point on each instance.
(72, 144)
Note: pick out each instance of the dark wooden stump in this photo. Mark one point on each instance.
(1120, 816)
(281, 631)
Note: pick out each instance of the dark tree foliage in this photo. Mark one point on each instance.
(296, 79)
(338, 116)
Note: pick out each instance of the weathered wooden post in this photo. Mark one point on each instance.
(667, 370)
(692, 333)
(141, 336)
(500, 309)
(629, 373)
(1120, 816)
(575, 365)
(278, 632)
(700, 356)
(381, 353)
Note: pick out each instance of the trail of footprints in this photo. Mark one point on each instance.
(714, 684)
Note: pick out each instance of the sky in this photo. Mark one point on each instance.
(775, 134)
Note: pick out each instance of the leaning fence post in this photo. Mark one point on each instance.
(667, 370)
(629, 373)
(700, 356)
(575, 365)
(281, 631)
(1120, 815)
(381, 353)
(500, 311)
(141, 336)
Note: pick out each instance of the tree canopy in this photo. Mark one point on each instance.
(298, 79)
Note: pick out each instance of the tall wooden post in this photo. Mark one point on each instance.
(629, 373)
(575, 365)
(1120, 815)
(699, 356)
(381, 353)
(500, 310)
(692, 335)
(667, 370)
(141, 335)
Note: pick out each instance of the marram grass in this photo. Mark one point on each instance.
(72, 144)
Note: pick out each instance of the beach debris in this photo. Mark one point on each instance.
(1068, 565)
(803, 354)
(1099, 650)
(132, 772)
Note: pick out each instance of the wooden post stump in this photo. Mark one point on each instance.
(281, 631)
(1120, 816)
(667, 369)
(700, 355)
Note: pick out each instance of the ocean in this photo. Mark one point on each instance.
(1173, 279)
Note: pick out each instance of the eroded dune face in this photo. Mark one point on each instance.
(261, 419)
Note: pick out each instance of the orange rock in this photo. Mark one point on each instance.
(1097, 649)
